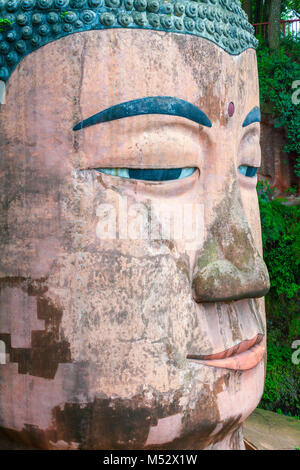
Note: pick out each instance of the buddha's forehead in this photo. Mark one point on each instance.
(102, 68)
(142, 63)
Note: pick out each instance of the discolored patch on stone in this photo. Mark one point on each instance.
(30, 438)
(125, 424)
(47, 349)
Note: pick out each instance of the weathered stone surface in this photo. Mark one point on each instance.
(110, 368)
(271, 431)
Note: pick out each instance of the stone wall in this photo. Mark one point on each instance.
(276, 166)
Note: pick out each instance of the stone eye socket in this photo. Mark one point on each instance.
(247, 170)
(149, 174)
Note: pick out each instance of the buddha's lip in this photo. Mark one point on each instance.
(243, 356)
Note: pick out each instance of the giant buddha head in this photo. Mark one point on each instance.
(132, 278)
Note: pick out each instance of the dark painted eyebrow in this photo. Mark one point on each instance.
(253, 116)
(149, 105)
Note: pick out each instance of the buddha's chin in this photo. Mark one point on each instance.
(205, 415)
(204, 412)
(214, 419)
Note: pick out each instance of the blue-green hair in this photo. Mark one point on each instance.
(26, 25)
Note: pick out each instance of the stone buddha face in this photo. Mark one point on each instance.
(117, 338)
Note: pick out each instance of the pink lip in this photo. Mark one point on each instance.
(242, 356)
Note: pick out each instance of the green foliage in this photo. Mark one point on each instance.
(290, 8)
(277, 72)
(282, 379)
(281, 235)
(281, 244)
(261, 9)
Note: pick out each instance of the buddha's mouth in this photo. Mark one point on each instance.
(243, 356)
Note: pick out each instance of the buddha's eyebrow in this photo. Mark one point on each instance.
(253, 116)
(149, 105)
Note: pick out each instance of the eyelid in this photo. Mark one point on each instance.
(249, 152)
(250, 134)
(250, 160)
(154, 175)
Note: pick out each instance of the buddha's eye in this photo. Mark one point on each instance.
(149, 175)
(248, 170)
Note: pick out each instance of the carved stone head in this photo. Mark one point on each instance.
(131, 270)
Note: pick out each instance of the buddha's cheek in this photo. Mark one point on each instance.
(128, 339)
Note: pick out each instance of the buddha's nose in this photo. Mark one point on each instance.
(229, 266)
